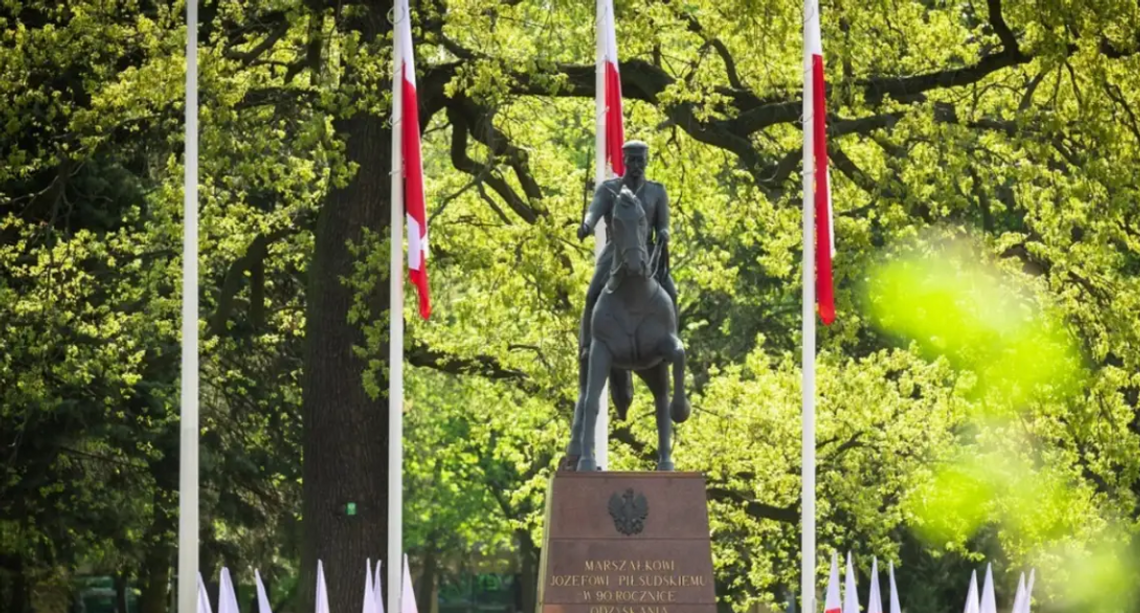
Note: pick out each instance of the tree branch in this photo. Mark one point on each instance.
(714, 42)
(277, 33)
(275, 96)
(481, 365)
(997, 22)
(481, 120)
(254, 254)
(460, 128)
(911, 89)
(753, 507)
(1117, 96)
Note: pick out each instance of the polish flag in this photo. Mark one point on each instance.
(989, 602)
(369, 605)
(203, 597)
(406, 119)
(227, 597)
(407, 594)
(608, 99)
(973, 602)
(322, 604)
(818, 191)
(850, 593)
(875, 600)
(895, 607)
(262, 596)
(1019, 597)
(831, 603)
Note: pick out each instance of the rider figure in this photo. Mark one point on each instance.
(654, 202)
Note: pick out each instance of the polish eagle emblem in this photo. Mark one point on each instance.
(629, 511)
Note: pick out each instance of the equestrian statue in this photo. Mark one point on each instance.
(630, 319)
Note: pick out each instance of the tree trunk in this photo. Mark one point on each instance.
(528, 571)
(121, 592)
(160, 553)
(209, 560)
(345, 431)
(426, 590)
(157, 579)
(19, 597)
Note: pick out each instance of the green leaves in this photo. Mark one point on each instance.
(939, 388)
(949, 304)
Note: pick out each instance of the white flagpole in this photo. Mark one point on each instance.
(188, 422)
(396, 327)
(602, 426)
(807, 553)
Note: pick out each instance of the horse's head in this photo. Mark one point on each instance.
(629, 234)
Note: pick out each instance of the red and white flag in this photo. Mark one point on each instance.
(227, 597)
(875, 599)
(609, 137)
(973, 602)
(989, 602)
(818, 191)
(370, 600)
(322, 604)
(609, 81)
(1019, 596)
(262, 595)
(203, 597)
(831, 603)
(408, 122)
(895, 606)
(850, 590)
(407, 594)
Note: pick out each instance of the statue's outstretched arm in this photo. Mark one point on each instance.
(602, 204)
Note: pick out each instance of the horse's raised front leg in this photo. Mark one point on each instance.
(680, 408)
(600, 361)
(657, 379)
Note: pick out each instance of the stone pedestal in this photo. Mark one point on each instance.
(633, 542)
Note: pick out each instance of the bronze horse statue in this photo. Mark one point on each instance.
(633, 328)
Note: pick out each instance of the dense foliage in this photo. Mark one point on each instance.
(974, 145)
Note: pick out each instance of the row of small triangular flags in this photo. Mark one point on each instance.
(373, 599)
(987, 604)
(850, 602)
(227, 597)
(373, 596)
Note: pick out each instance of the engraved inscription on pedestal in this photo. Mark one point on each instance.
(662, 573)
(627, 543)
